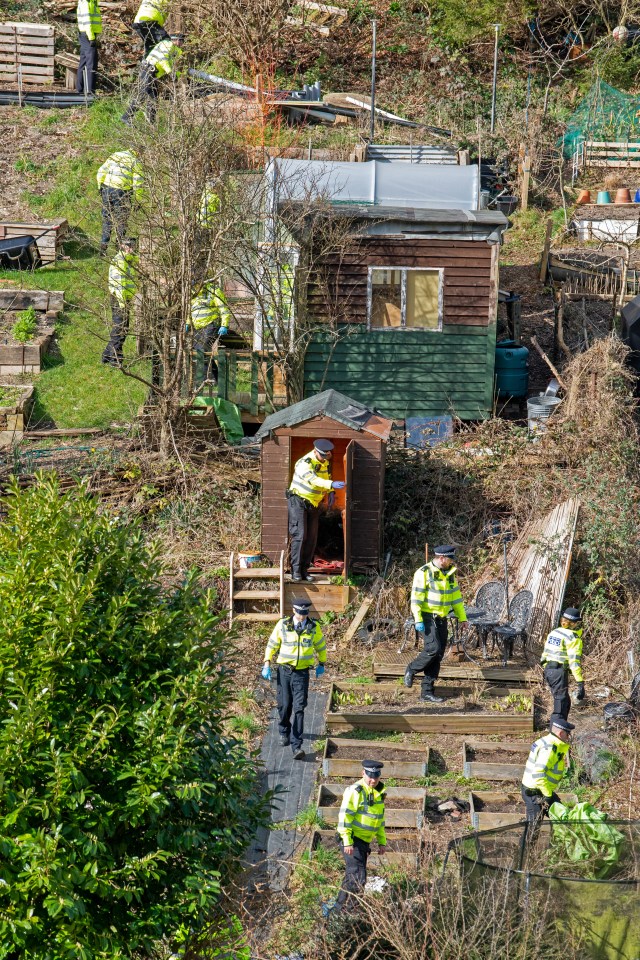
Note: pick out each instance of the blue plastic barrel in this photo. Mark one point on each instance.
(512, 369)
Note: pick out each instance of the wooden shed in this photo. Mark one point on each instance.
(351, 532)
(405, 311)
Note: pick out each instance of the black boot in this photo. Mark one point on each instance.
(428, 696)
(408, 677)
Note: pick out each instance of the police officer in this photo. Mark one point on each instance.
(210, 316)
(563, 653)
(434, 593)
(120, 180)
(89, 29)
(294, 643)
(361, 818)
(310, 483)
(158, 62)
(123, 284)
(546, 764)
(149, 23)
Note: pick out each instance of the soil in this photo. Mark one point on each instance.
(495, 756)
(7, 321)
(497, 806)
(383, 753)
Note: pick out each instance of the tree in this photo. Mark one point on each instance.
(124, 804)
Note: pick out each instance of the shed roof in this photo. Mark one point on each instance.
(330, 404)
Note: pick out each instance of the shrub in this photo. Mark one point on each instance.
(123, 803)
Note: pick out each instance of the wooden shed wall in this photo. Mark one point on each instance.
(367, 489)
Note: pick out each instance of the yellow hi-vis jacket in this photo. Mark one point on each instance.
(163, 57)
(123, 274)
(295, 649)
(362, 813)
(564, 646)
(209, 207)
(122, 171)
(281, 300)
(209, 306)
(311, 479)
(436, 591)
(89, 18)
(546, 764)
(152, 10)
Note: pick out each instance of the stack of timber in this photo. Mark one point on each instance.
(319, 17)
(26, 54)
(48, 234)
(540, 561)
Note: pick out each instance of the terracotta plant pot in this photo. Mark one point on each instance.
(623, 195)
(584, 196)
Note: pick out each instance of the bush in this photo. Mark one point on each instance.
(123, 804)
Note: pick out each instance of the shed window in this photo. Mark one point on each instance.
(405, 298)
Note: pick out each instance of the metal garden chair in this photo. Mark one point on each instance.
(516, 627)
(485, 614)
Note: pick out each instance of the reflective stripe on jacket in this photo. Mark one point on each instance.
(89, 18)
(564, 646)
(436, 591)
(209, 306)
(121, 171)
(311, 479)
(296, 649)
(123, 276)
(546, 764)
(155, 10)
(163, 57)
(209, 206)
(362, 813)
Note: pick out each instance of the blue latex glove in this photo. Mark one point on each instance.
(223, 331)
(319, 670)
(337, 484)
(420, 626)
(266, 672)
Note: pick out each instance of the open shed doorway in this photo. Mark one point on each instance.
(333, 550)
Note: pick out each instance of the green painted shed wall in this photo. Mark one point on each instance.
(407, 373)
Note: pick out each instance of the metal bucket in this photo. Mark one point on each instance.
(539, 409)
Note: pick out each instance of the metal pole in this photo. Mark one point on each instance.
(506, 574)
(496, 27)
(372, 126)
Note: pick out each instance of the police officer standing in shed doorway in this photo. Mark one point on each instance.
(294, 643)
(310, 483)
(434, 593)
(545, 768)
(563, 653)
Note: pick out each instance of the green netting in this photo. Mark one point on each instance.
(604, 114)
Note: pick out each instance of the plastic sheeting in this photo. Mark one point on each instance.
(399, 185)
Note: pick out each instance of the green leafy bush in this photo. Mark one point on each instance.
(123, 803)
(25, 326)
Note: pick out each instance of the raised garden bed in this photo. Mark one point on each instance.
(491, 808)
(393, 707)
(15, 405)
(384, 669)
(487, 760)
(343, 758)
(404, 807)
(403, 847)
(43, 306)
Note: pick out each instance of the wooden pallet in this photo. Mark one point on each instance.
(395, 815)
(416, 765)
(319, 17)
(485, 820)
(515, 755)
(26, 53)
(48, 234)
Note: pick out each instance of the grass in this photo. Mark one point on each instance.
(75, 389)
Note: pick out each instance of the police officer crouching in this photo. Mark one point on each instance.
(361, 818)
(294, 643)
(545, 768)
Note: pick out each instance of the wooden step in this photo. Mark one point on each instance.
(254, 573)
(257, 617)
(257, 595)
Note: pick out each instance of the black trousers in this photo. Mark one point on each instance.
(355, 873)
(557, 678)
(112, 353)
(433, 650)
(206, 366)
(536, 804)
(89, 63)
(150, 33)
(303, 533)
(145, 93)
(293, 692)
(116, 207)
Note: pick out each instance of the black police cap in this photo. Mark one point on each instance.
(372, 767)
(445, 551)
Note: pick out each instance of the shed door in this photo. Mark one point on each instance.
(348, 503)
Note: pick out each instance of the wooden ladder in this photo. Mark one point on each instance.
(256, 573)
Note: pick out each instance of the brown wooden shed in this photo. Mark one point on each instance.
(352, 530)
